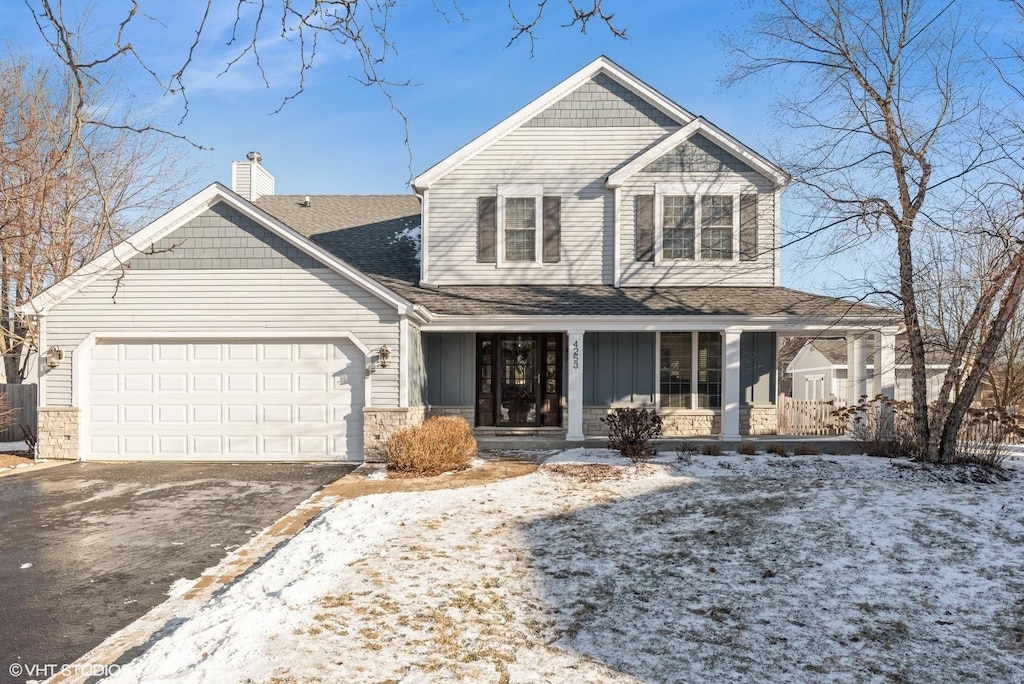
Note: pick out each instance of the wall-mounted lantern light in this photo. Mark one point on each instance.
(383, 356)
(54, 355)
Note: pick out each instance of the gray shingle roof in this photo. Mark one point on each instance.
(835, 351)
(362, 230)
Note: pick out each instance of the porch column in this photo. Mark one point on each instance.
(731, 385)
(885, 363)
(856, 368)
(574, 395)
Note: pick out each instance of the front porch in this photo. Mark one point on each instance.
(553, 387)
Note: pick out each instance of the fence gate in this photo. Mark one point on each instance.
(22, 400)
(799, 417)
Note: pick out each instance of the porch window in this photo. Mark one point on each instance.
(691, 370)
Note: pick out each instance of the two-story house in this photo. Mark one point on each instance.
(600, 247)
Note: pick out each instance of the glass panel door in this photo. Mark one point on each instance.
(519, 375)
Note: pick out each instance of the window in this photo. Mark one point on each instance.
(520, 229)
(691, 370)
(697, 221)
(519, 226)
(716, 227)
(679, 227)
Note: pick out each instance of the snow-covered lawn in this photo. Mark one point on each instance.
(708, 569)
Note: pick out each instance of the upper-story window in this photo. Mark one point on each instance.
(687, 222)
(519, 226)
(520, 229)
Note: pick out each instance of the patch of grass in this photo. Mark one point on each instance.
(746, 449)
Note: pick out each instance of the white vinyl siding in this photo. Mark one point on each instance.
(569, 163)
(224, 302)
(703, 271)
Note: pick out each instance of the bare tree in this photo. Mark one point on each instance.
(894, 137)
(68, 189)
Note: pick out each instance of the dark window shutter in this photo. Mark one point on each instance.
(487, 229)
(552, 230)
(748, 227)
(645, 228)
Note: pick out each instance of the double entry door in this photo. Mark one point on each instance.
(519, 380)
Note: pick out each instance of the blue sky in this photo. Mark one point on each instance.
(341, 137)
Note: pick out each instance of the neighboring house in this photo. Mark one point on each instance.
(601, 247)
(820, 372)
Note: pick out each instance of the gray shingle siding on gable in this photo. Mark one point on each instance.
(222, 238)
(601, 102)
(697, 154)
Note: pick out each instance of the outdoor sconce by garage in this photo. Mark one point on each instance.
(54, 355)
(383, 356)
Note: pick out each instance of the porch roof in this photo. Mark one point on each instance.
(365, 231)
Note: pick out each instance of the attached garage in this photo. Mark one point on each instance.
(196, 400)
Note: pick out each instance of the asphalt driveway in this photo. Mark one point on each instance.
(87, 548)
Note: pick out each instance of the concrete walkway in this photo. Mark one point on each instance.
(134, 639)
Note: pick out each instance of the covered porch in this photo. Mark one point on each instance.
(554, 380)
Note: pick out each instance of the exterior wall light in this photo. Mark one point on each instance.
(383, 356)
(54, 355)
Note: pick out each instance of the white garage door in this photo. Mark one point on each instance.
(225, 401)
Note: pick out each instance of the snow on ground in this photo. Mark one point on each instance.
(593, 570)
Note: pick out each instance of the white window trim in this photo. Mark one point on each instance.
(697, 191)
(536, 192)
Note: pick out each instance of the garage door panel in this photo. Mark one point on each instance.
(172, 382)
(137, 382)
(277, 382)
(206, 382)
(225, 400)
(242, 414)
(138, 414)
(171, 414)
(207, 352)
(206, 446)
(241, 382)
(139, 444)
(207, 413)
(173, 446)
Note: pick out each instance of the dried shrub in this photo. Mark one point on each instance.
(687, 448)
(880, 426)
(630, 431)
(777, 449)
(802, 449)
(746, 448)
(985, 435)
(440, 445)
(711, 449)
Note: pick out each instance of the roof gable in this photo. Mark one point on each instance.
(697, 154)
(713, 148)
(214, 194)
(600, 66)
(221, 238)
(601, 101)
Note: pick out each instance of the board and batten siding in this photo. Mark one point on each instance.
(571, 163)
(689, 272)
(450, 360)
(232, 302)
(618, 368)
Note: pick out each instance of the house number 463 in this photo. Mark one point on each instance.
(575, 355)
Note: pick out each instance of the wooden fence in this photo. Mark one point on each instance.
(798, 417)
(22, 400)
